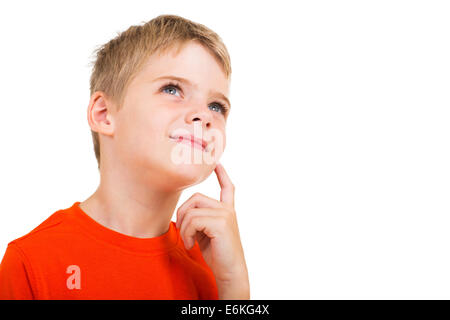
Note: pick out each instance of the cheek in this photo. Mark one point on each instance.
(149, 132)
(140, 132)
(217, 136)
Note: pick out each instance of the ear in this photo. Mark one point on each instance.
(99, 114)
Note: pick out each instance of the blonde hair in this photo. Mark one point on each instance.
(118, 61)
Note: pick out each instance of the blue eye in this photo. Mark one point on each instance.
(171, 86)
(220, 107)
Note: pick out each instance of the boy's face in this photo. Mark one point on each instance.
(154, 113)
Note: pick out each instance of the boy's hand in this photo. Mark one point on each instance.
(214, 225)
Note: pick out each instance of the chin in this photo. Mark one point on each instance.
(178, 175)
(194, 172)
(181, 176)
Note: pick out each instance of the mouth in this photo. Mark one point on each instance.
(192, 141)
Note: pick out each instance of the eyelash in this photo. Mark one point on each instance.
(173, 84)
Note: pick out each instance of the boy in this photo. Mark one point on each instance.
(153, 89)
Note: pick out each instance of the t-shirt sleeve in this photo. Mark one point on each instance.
(14, 276)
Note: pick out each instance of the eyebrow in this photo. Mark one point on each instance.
(186, 81)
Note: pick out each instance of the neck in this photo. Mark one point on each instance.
(131, 205)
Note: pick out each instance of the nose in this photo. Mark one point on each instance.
(200, 114)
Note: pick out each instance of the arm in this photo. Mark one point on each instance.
(235, 289)
(214, 225)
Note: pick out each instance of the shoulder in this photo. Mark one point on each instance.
(26, 257)
(45, 232)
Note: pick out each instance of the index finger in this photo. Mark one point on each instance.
(227, 187)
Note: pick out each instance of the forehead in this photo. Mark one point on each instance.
(191, 61)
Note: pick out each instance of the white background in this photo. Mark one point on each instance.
(338, 141)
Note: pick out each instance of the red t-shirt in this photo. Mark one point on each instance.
(71, 256)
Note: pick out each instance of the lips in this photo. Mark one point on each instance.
(193, 140)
